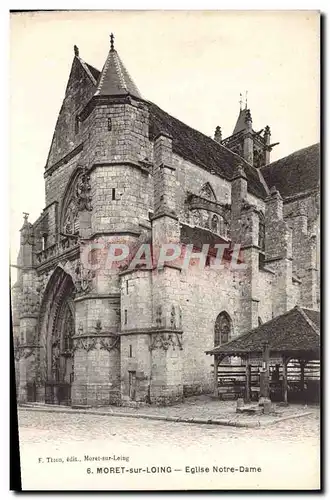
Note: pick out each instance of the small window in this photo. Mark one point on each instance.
(76, 125)
(44, 241)
(215, 224)
(113, 193)
(130, 351)
(261, 236)
(109, 124)
(261, 260)
(126, 287)
(125, 316)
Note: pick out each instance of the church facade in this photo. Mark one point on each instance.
(122, 173)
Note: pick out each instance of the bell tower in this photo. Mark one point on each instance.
(254, 147)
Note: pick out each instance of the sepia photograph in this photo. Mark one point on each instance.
(165, 249)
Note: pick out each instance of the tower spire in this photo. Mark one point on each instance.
(114, 79)
(240, 101)
(246, 99)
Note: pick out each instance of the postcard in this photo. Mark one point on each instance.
(165, 249)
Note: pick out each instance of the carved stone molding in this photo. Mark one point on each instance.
(85, 343)
(165, 340)
(27, 231)
(83, 189)
(196, 202)
(24, 351)
(109, 343)
(29, 303)
(104, 341)
(83, 280)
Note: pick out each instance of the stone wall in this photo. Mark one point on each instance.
(136, 300)
(264, 295)
(120, 198)
(204, 294)
(135, 359)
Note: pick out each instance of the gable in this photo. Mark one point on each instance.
(79, 91)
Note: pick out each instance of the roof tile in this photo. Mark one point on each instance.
(296, 173)
(290, 332)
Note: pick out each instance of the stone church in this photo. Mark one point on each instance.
(120, 169)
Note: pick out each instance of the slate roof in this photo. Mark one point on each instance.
(114, 79)
(296, 331)
(314, 316)
(292, 175)
(240, 124)
(95, 72)
(202, 150)
(296, 173)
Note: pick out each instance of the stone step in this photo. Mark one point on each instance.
(250, 409)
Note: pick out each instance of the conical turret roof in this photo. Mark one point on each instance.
(114, 79)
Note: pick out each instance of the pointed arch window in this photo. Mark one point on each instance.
(219, 225)
(76, 198)
(208, 192)
(71, 219)
(215, 224)
(223, 227)
(222, 329)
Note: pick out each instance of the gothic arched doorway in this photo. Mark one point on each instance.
(56, 365)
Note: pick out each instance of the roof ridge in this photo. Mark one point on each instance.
(290, 154)
(308, 320)
(217, 144)
(84, 65)
(262, 180)
(102, 74)
(120, 72)
(263, 324)
(115, 79)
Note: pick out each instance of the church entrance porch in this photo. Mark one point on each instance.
(56, 361)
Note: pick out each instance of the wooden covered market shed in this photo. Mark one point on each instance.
(294, 335)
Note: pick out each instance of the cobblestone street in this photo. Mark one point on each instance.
(287, 453)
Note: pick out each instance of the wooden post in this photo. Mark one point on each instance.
(285, 379)
(302, 375)
(247, 380)
(264, 375)
(215, 366)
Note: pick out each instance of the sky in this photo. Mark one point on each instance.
(192, 64)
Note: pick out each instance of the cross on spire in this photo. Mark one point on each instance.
(112, 39)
